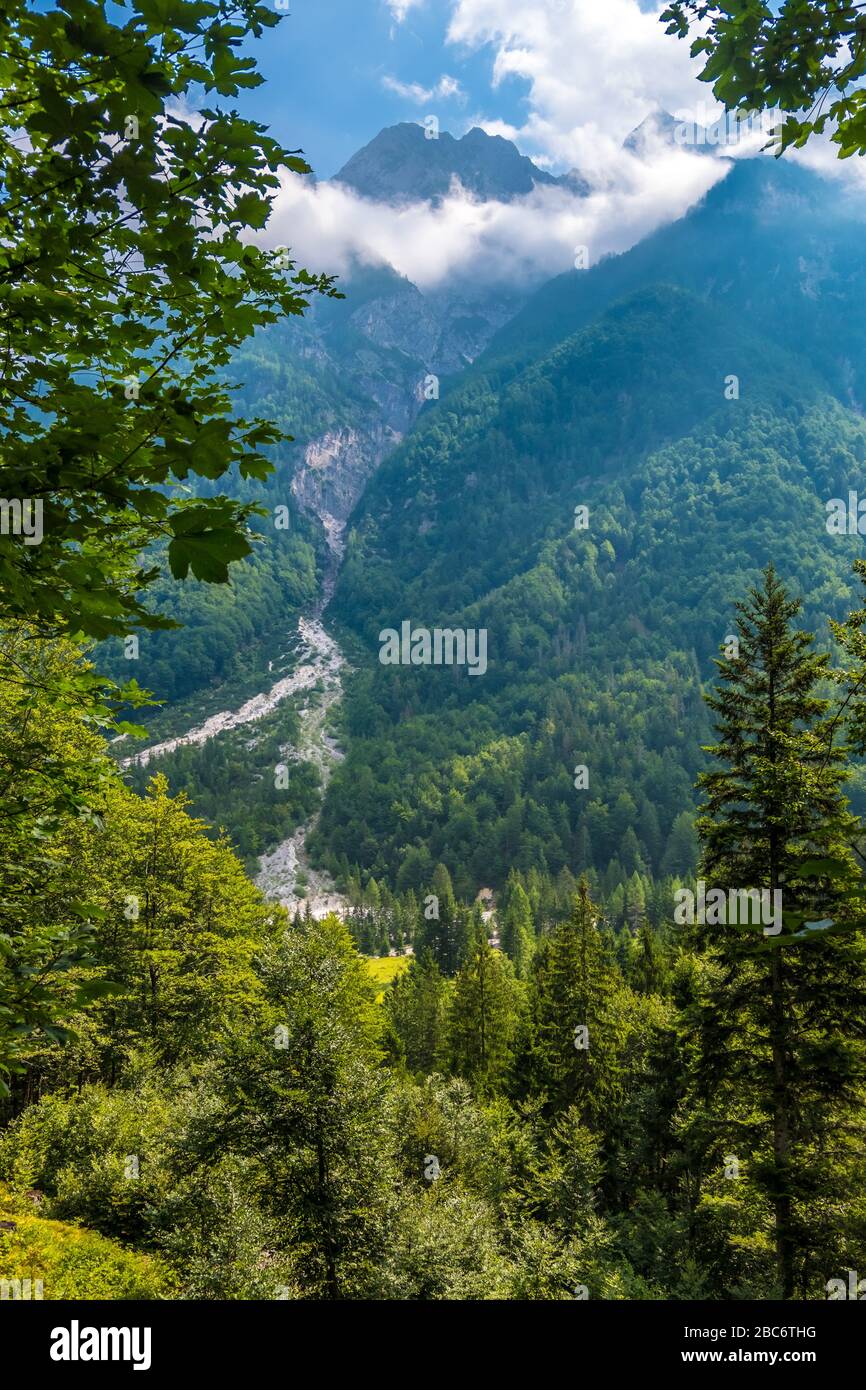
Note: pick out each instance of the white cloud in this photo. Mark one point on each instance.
(822, 157)
(329, 227)
(446, 88)
(595, 68)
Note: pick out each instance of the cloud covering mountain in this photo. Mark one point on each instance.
(490, 214)
(559, 125)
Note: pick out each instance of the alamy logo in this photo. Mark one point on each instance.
(21, 516)
(77, 1343)
(444, 646)
(846, 519)
(729, 129)
(855, 1288)
(25, 1289)
(737, 907)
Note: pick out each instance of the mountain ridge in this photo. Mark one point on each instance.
(401, 164)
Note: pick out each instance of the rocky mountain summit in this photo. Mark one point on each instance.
(404, 163)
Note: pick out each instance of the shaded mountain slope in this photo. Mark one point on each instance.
(598, 639)
(777, 245)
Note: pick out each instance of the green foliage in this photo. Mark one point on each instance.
(779, 1042)
(179, 927)
(416, 1006)
(127, 280)
(238, 1107)
(517, 937)
(96, 1157)
(243, 1114)
(484, 1015)
(108, 901)
(300, 1096)
(444, 930)
(212, 775)
(599, 641)
(55, 773)
(574, 1025)
(124, 367)
(223, 630)
(792, 56)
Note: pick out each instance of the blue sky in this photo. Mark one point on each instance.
(327, 63)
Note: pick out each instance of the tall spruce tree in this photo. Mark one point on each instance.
(517, 937)
(484, 1015)
(443, 923)
(648, 970)
(573, 1022)
(416, 1006)
(782, 1017)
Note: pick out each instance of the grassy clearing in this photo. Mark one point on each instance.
(62, 1260)
(384, 969)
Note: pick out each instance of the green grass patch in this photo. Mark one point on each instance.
(384, 969)
(62, 1260)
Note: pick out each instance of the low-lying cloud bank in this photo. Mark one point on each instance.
(330, 228)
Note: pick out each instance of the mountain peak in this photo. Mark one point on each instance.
(403, 164)
(661, 128)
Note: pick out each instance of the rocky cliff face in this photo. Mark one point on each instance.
(396, 348)
(335, 467)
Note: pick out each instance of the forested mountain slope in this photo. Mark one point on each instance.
(702, 444)
(346, 386)
(777, 245)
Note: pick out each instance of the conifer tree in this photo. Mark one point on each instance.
(443, 923)
(564, 1181)
(484, 1014)
(681, 850)
(650, 835)
(584, 854)
(630, 854)
(635, 903)
(416, 1007)
(782, 1019)
(301, 1097)
(574, 1028)
(409, 916)
(517, 937)
(648, 973)
(566, 887)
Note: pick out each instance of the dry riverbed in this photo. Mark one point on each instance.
(285, 874)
